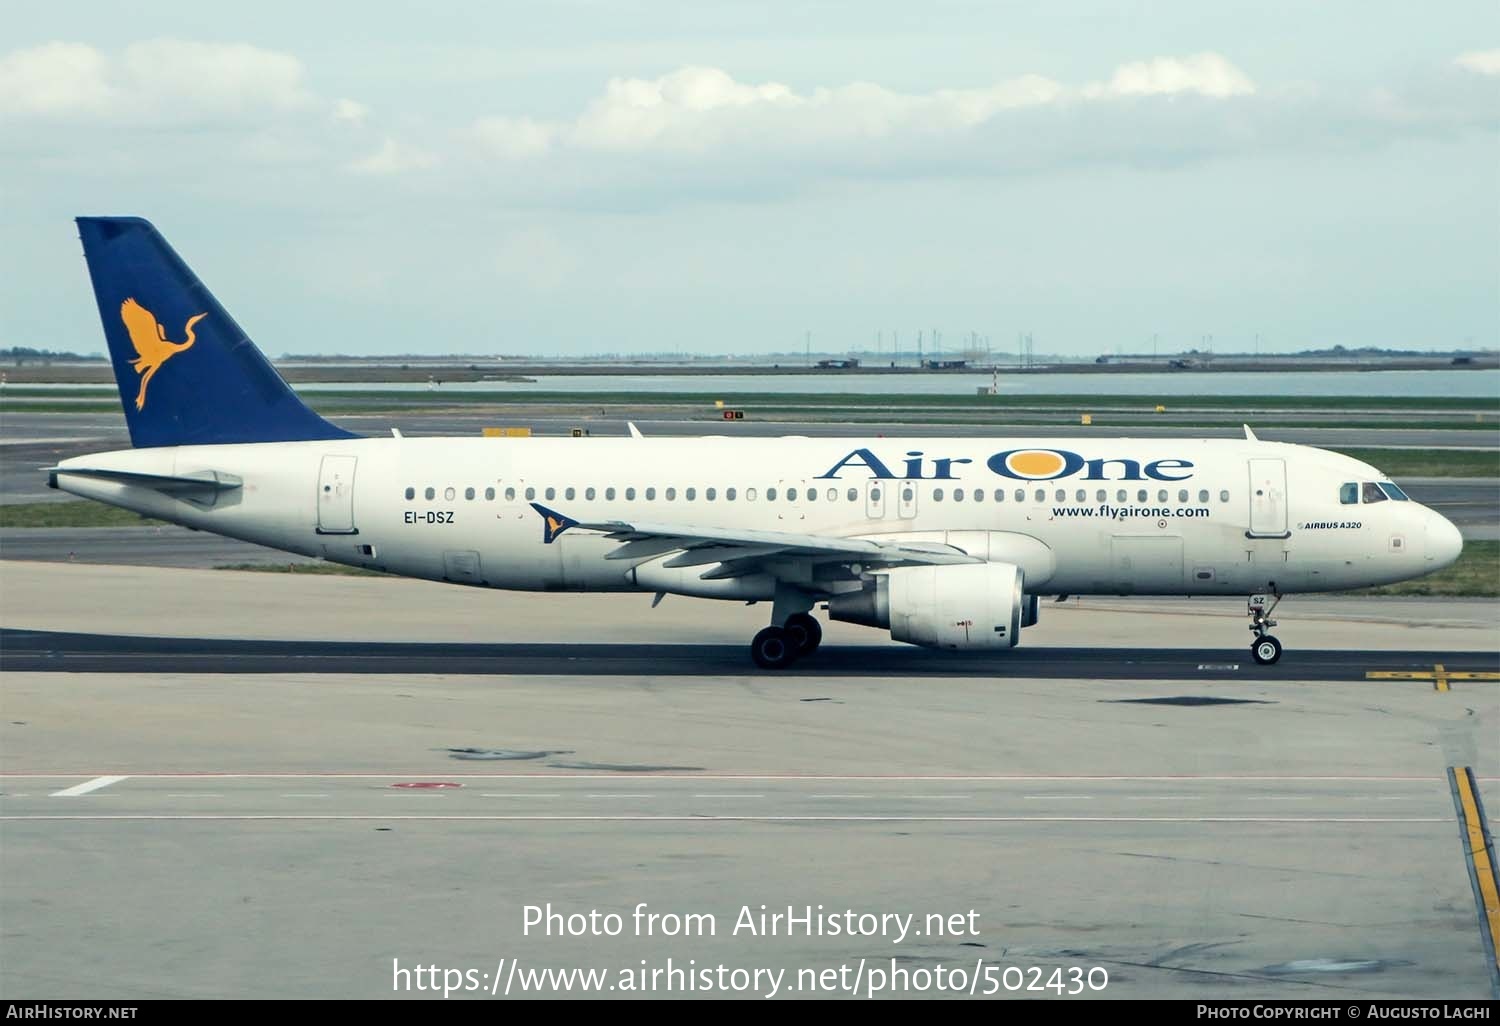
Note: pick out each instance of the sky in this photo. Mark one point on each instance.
(581, 177)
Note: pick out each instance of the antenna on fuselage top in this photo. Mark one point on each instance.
(635, 432)
(1250, 435)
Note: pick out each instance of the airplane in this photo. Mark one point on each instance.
(943, 542)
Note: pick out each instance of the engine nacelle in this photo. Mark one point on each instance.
(965, 606)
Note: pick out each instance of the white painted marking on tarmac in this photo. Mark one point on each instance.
(618, 796)
(1163, 798)
(86, 787)
(838, 796)
(196, 795)
(304, 796)
(1058, 797)
(942, 797)
(530, 794)
(1279, 798)
(729, 796)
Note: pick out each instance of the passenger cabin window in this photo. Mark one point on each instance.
(1394, 492)
(1041, 495)
(937, 495)
(1349, 493)
(671, 494)
(1182, 495)
(510, 495)
(1062, 495)
(770, 494)
(469, 494)
(489, 495)
(1140, 496)
(568, 494)
(411, 493)
(791, 495)
(650, 494)
(609, 494)
(958, 495)
(1224, 495)
(749, 495)
(588, 493)
(1203, 495)
(1370, 492)
(530, 494)
(430, 493)
(630, 495)
(729, 494)
(812, 495)
(551, 494)
(449, 493)
(691, 494)
(710, 494)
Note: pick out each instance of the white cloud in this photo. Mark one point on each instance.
(54, 79)
(700, 109)
(1485, 62)
(164, 74)
(393, 158)
(1206, 74)
(158, 81)
(350, 111)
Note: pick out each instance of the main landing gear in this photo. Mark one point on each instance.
(1265, 649)
(776, 648)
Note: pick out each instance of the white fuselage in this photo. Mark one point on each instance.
(1105, 516)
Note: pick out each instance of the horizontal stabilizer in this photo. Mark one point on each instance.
(198, 484)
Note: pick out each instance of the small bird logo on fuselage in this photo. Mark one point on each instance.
(553, 522)
(152, 349)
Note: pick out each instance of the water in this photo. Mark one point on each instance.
(1471, 384)
(1477, 384)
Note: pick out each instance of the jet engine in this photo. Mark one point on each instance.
(963, 606)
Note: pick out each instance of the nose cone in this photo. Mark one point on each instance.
(1444, 543)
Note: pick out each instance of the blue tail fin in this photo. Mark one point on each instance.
(187, 374)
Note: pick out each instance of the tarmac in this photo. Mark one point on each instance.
(343, 777)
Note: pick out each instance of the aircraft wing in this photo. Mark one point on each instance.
(729, 552)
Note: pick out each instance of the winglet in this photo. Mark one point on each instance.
(1250, 435)
(553, 523)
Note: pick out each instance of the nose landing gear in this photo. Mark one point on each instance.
(1266, 649)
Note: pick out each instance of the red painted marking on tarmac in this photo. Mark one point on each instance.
(418, 784)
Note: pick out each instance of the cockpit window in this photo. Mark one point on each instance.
(1370, 492)
(1394, 492)
(1349, 493)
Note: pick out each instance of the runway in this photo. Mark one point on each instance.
(60, 652)
(664, 797)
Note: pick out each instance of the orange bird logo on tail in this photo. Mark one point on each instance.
(150, 340)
